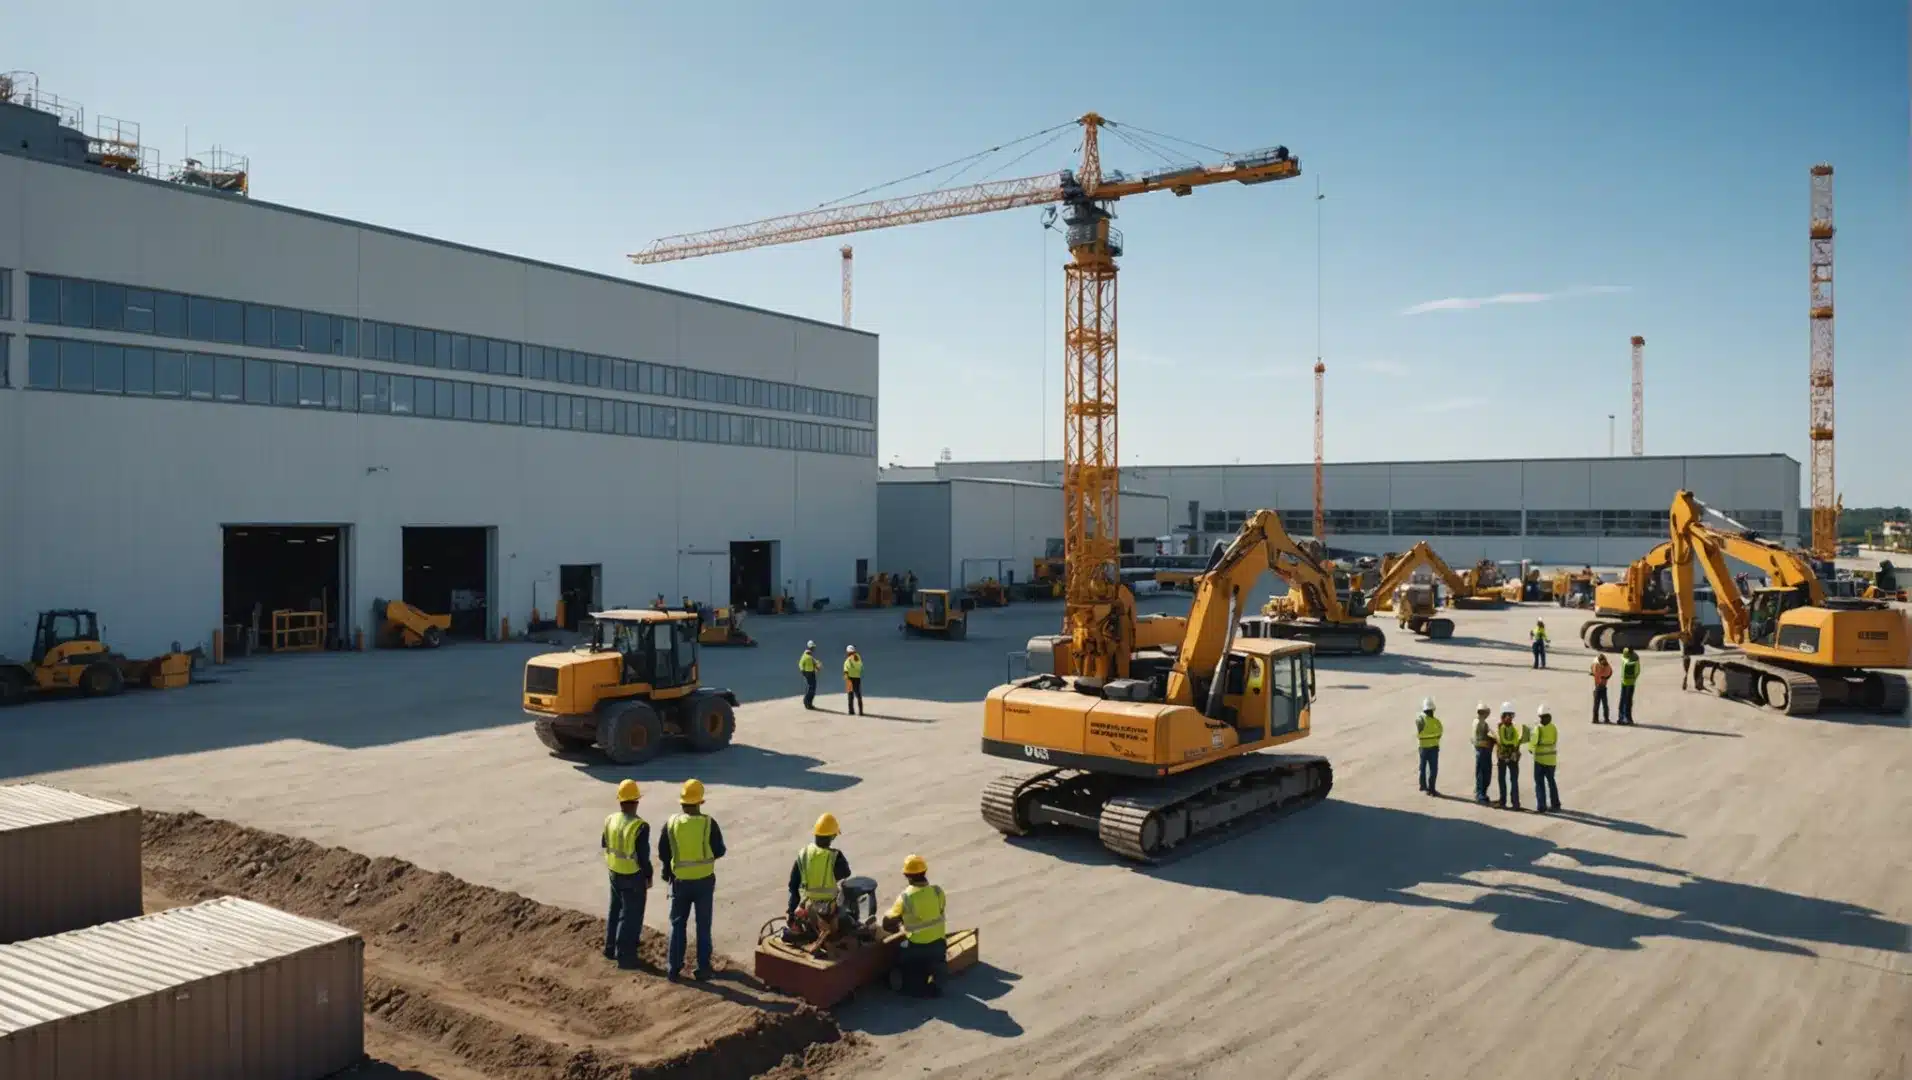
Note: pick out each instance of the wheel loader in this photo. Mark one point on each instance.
(938, 614)
(68, 656)
(629, 690)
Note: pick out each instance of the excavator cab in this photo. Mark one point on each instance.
(1765, 607)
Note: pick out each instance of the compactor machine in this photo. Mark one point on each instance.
(825, 967)
(938, 614)
(629, 690)
(1797, 648)
(1164, 752)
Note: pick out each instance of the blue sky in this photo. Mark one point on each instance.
(1642, 166)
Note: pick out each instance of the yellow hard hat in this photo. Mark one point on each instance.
(692, 794)
(915, 865)
(826, 826)
(627, 791)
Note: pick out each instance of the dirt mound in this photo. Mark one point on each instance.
(464, 981)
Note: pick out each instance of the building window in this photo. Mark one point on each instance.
(169, 373)
(43, 363)
(76, 365)
(318, 332)
(311, 387)
(76, 303)
(258, 382)
(139, 311)
(199, 376)
(6, 294)
(1768, 523)
(109, 369)
(139, 372)
(229, 378)
(199, 318)
(169, 314)
(402, 395)
(43, 300)
(229, 322)
(1360, 522)
(109, 307)
(1456, 523)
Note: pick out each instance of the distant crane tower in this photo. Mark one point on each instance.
(1320, 510)
(1825, 496)
(1639, 395)
(846, 284)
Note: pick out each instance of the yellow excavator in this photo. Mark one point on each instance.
(1154, 762)
(1482, 586)
(1414, 604)
(1314, 609)
(1637, 611)
(1798, 649)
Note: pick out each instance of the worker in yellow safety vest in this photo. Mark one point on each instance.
(814, 875)
(853, 678)
(807, 663)
(1508, 739)
(626, 843)
(1483, 752)
(1427, 730)
(919, 912)
(688, 850)
(1539, 636)
(1546, 743)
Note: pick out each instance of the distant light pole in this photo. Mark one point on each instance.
(1609, 434)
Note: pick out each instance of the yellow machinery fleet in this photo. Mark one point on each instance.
(1575, 588)
(68, 655)
(1797, 647)
(630, 687)
(1637, 611)
(1165, 750)
(938, 614)
(1414, 603)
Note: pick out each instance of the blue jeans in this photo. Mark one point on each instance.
(1600, 710)
(1510, 782)
(809, 689)
(1544, 786)
(688, 896)
(1430, 765)
(626, 920)
(1483, 770)
(1626, 704)
(1540, 654)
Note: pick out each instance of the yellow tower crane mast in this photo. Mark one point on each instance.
(1095, 606)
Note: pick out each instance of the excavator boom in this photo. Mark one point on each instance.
(1312, 611)
(1418, 607)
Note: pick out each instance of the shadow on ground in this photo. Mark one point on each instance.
(739, 765)
(964, 1004)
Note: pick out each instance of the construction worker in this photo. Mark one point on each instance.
(1691, 644)
(1508, 740)
(919, 912)
(814, 876)
(807, 663)
(625, 839)
(1601, 672)
(1539, 634)
(1427, 730)
(1546, 746)
(853, 678)
(1483, 752)
(1629, 675)
(688, 850)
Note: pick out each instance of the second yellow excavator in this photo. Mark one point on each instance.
(1316, 609)
(1637, 611)
(1153, 762)
(1415, 604)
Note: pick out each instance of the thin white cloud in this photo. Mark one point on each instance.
(1448, 405)
(1469, 303)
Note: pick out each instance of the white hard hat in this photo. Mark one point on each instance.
(1480, 706)
(809, 644)
(1544, 711)
(849, 648)
(1427, 704)
(1506, 706)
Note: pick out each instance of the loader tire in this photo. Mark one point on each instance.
(959, 630)
(101, 680)
(631, 734)
(13, 687)
(558, 742)
(434, 637)
(709, 724)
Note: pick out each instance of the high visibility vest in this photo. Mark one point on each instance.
(853, 667)
(620, 842)
(1539, 633)
(1430, 731)
(1630, 672)
(1509, 737)
(1483, 734)
(691, 857)
(818, 873)
(807, 662)
(923, 907)
(1546, 743)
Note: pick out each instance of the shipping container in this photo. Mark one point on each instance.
(66, 861)
(225, 990)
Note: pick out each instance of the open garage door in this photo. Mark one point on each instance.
(282, 587)
(753, 572)
(448, 572)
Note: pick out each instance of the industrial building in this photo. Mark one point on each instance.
(1555, 511)
(954, 531)
(213, 409)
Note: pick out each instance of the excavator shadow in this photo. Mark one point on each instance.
(964, 1004)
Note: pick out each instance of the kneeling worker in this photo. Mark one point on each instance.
(919, 911)
(813, 911)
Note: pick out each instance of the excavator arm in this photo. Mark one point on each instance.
(1403, 567)
(1695, 540)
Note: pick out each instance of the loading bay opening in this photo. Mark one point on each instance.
(283, 587)
(448, 571)
(580, 588)
(753, 572)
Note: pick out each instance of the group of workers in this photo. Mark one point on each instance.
(1496, 745)
(852, 677)
(688, 847)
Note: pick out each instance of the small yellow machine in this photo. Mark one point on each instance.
(876, 592)
(631, 687)
(68, 655)
(938, 614)
(1575, 588)
(1638, 610)
(988, 593)
(1415, 603)
(722, 627)
(402, 625)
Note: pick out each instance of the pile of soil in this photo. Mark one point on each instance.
(464, 982)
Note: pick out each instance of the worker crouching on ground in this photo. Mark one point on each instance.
(1546, 746)
(1601, 672)
(1629, 676)
(1483, 753)
(1539, 634)
(923, 958)
(1508, 739)
(853, 679)
(1427, 730)
(688, 850)
(626, 843)
(814, 913)
(807, 663)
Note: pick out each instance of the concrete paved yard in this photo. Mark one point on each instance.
(1725, 897)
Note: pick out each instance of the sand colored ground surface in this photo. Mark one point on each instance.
(1725, 896)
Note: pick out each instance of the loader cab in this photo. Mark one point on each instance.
(66, 627)
(659, 647)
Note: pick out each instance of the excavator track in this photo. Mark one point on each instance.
(1329, 639)
(1800, 693)
(1182, 814)
(1006, 800)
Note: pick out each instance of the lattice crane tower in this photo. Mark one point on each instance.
(1825, 495)
(1639, 395)
(1320, 507)
(846, 284)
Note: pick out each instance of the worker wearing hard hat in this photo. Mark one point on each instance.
(807, 663)
(813, 879)
(1629, 678)
(688, 850)
(919, 911)
(853, 678)
(1509, 737)
(1483, 752)
(1546, 743)
(1539, 636)
(626, 843)
(1427, 731)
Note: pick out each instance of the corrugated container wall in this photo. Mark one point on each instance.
(66, 861)
(224, 990)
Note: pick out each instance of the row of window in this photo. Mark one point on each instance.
(1553, 523)
(95, 367)
(97, 305)
(6, 294)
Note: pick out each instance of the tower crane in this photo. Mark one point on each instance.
(1098, 610)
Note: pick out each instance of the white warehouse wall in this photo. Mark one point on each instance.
(953, 532)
